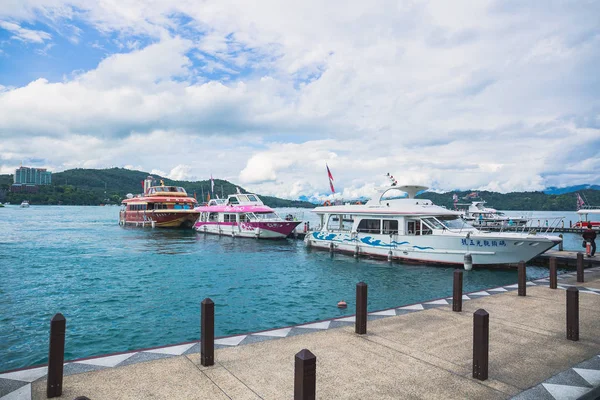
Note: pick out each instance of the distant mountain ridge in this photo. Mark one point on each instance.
(101, 186)
(570, 189)
(515, 201)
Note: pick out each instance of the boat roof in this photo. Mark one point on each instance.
(160, 199)
(589, 211)
(410, 207)
(236, 203)
(234, 208)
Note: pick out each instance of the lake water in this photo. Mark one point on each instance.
(130, 288)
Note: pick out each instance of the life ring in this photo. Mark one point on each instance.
(342, 304)
(358, 203)
(327, 203)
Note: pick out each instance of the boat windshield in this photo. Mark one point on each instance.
(455, 223)
(266, 215)
(433, 223)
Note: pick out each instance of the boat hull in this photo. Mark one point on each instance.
(159, 218)
(260, 230)
(485, 248)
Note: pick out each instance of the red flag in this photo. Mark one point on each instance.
(330, 179)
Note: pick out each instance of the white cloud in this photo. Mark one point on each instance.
(490, 95)
(26, 35)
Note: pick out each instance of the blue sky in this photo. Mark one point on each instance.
(488, 95)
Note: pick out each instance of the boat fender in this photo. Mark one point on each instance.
(342, 304)
(356, 251)
(468, 261)
(331, 247)
(390, 257)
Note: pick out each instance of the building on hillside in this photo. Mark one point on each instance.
(27, 179)
(33, 176)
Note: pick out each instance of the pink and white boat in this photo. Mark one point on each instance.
(243, 215)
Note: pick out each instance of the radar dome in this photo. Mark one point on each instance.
(129, 196)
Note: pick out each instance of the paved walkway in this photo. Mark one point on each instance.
(423, 351)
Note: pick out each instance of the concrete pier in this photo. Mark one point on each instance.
(421, 351)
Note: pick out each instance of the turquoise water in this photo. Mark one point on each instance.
(131, 288)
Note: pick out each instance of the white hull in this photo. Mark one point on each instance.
(449, 248)
(237, 231)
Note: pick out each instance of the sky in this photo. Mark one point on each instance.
(461, 95)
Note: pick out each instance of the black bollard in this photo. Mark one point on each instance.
(361, 308)
(56, 355)
(560, 244)
(305, 375)
(573, 314)
(522, 291)
(579, 267)
(553, 278)
(457, 289)
(207, 333)
(481, 344)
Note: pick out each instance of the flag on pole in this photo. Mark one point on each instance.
(212, 184)
(330, 179)
(580, 202)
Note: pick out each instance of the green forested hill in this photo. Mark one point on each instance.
(87, 187)
(103, 186)
(519, 201)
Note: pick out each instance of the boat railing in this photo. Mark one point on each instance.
(585, 207)
(292, 216)
(535, 225)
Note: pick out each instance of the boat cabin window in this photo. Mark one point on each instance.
(243, 218)
(390, 226)
(413, 227)
(213, 217)
(229, 218)
(369, 226)
(243, 198)
(334, 223)
(233, 200)
(251, 197)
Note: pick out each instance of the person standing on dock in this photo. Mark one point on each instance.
(590, 236)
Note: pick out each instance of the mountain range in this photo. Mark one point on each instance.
(110, 186)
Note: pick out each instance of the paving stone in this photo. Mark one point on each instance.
(8, 385)
(144, 356)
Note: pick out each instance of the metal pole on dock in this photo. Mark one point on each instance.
(56, 355)
(522, 291)
(573, 313)
(560, 245)
(207, 333)
(553, 277)
(305, 375)
(481, 344)
(579, 267)
(361, 308)
(457, 289)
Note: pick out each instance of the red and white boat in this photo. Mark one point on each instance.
(244, 215)
(160, 206)
(588, 215)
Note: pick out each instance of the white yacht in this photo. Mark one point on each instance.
(480, 216)
(416, 230)
(24, 204)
